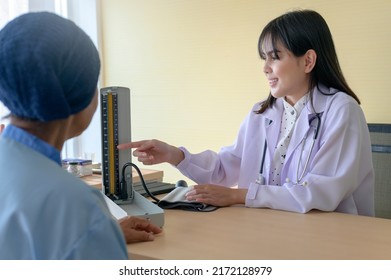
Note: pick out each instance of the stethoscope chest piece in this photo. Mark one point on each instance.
(304, 184)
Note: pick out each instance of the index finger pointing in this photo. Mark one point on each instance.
(130, 145)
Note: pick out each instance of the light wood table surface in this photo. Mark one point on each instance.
(248, 233)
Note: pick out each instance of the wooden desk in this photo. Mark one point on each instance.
(247, 233)
(148, 174)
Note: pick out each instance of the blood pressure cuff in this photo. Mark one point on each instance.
(176, 200)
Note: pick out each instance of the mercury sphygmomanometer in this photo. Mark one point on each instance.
(116, 177)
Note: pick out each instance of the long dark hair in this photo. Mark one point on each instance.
(300, 31)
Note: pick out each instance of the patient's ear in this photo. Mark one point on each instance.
(310, 60)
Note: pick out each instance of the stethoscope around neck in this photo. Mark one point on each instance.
(299, 175)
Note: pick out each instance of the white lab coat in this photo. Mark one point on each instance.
(339, 176)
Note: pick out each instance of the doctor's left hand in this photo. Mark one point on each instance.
(216, 195)
(137, 229)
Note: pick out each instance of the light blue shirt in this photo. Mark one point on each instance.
(47, 213)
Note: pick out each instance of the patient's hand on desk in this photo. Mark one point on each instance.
(137, 229)
(216, 195)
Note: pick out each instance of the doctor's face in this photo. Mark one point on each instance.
(285, 72)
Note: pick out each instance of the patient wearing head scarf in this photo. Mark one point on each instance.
(48, 80)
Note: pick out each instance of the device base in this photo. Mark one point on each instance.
(142, 207)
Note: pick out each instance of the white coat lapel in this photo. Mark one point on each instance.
(272, 125)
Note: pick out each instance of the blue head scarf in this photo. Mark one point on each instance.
(49, 67)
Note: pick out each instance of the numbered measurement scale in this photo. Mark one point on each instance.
(116, 129)
(113, 101)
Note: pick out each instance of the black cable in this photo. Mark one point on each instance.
(123, 182)
(123, 187)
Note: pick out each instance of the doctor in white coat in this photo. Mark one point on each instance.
(305, 147)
